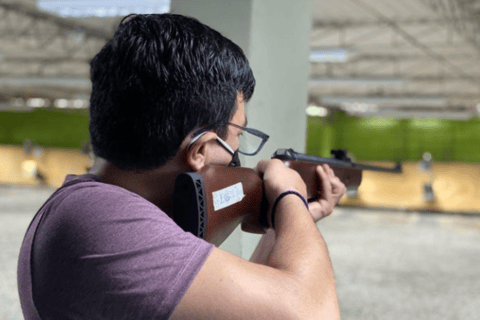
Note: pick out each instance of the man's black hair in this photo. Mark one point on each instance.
(157, 79)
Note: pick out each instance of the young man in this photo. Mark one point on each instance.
(168, 97)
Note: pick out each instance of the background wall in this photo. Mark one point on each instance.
(46, 127)
(368, 139)
(389, 139)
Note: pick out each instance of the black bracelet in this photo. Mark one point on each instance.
(279, 197)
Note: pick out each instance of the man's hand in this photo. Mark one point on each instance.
(277, 178)
(332, 191)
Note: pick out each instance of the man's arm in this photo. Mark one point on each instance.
(264, 247)
(297, 281)
(322, 207)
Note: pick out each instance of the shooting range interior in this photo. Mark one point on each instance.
(389, 81)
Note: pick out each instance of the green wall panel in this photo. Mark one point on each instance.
(431, 135)
(46, 127)
(320, 136)
(370, 139)
(367, 139)
(467, 140)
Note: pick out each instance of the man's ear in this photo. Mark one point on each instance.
(197, 154)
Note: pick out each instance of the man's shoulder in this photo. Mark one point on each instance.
(88, 188)
(91, 185)
(87, 199)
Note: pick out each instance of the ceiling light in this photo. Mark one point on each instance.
(80, 104)
(387, 101)
(359, 107)
(36, 102)
(329, 55)
(357, 82)
(315, 111)
(61, 103)
(103, 8)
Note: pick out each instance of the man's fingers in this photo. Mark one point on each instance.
(328, 170)
(336, 183)
(326, 185)
(261, 167)
(338, 188)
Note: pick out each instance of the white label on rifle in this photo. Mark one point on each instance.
(226, 197)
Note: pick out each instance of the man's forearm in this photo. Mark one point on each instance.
(300, 250)
(264, 248)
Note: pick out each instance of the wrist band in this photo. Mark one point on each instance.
(279, 197)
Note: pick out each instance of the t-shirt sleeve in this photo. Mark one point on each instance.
(114, 255)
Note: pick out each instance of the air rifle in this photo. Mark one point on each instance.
(211, 203)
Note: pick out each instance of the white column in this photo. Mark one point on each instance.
(275, 36)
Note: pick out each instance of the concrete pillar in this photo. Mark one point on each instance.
(275, 36)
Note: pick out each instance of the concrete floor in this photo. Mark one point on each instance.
(388, 264)
(397, 265)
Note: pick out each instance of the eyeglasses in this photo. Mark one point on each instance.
(251, 140)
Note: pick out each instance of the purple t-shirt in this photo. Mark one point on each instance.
(98, 251)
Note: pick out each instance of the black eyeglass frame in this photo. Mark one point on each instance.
(254, 132)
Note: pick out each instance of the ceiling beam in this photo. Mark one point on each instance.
(354, 24)
(379, 79)
(453, 98)
(461, 15)
(408, 57)
(394, 58)
(419, 70)
(26, 82)
(43, 60)
(68, 24)
(424, 46)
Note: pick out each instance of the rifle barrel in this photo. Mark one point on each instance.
(289, 155)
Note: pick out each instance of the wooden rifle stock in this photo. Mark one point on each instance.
(211, 203)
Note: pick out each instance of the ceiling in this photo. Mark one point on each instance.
(409, 56)
(375, 57)
(46, 56)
